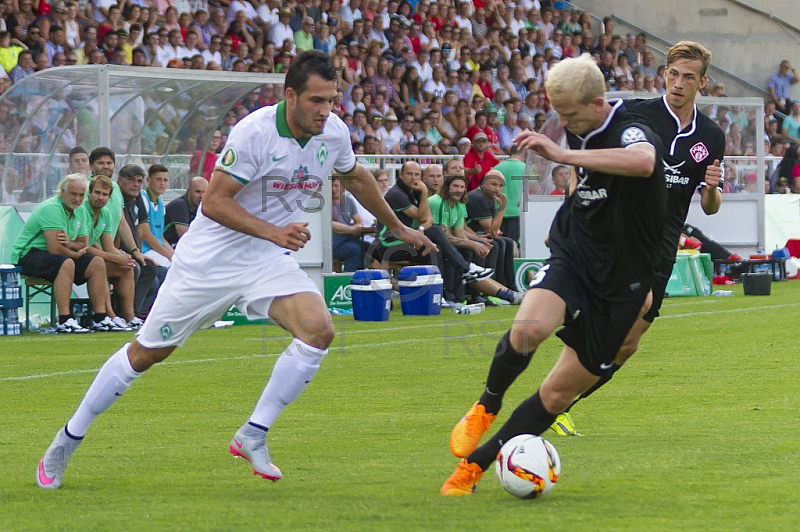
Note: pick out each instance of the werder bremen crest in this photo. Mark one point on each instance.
(322, 154)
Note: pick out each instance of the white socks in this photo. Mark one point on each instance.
(292, 372)
(112, 380)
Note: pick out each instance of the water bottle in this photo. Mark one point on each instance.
(722, 293)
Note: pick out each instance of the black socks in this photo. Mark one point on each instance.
(507, 365)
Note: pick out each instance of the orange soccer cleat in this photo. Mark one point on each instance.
(468, 432)
(464, 479)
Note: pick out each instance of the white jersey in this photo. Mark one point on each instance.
(281, 176)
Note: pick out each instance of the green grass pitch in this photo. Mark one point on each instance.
(698, 432)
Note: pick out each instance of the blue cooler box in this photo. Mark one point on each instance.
(371, 291)
(420, 290)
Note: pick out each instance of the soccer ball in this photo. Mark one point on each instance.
(528, 466)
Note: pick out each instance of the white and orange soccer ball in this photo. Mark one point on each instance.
(528, 466)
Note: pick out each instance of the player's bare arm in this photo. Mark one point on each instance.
(710, 195)
(219, 205)
(364, 187)
(637, 160)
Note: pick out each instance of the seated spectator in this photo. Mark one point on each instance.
(181, 211)
(560, 175)
(409, 200)
(130, 181)
(120, 267)
(347, 226)
(49, 247)
(449, 212)
(508, 132)
(152, 234)
(788, 169)
(780, 86)
(486, 207)
(210, 159)
(791, 124)
(479, 160)
(433, 177)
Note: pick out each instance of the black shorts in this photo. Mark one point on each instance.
(660, 282)
(45, 265)
(595, 328)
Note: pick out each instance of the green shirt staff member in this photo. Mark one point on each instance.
(52, 246)
(451, 213)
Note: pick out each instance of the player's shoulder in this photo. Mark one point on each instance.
(262, 120)
(336, 128)
(706, 126)
(628, 128)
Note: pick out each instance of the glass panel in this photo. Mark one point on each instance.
(169, 120)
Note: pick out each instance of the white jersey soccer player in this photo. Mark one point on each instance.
(237, 252)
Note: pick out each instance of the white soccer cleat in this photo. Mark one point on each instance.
(54, 462)
(250, 443)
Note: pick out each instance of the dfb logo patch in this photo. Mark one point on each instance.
(632, 135)
(699, 152)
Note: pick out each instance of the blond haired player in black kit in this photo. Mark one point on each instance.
(693, 148)
(597, 282)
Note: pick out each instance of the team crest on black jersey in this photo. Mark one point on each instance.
(632, 135)
(698, 152)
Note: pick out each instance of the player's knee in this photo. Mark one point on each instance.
(527, 337)
(627, 350)
(323, 338)
(555, 400)
(142, 357)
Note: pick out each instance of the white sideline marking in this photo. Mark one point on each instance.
(376, 344)
(201, 360)
(748, 309)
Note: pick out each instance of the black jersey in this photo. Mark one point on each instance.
(687, 154)
(610, 227)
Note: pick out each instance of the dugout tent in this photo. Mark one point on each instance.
(146, 115)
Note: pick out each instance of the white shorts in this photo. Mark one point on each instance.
(188, 301)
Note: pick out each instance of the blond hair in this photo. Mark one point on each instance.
(691, 51)
(580, 77)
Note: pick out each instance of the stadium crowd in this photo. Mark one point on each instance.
(416, 77)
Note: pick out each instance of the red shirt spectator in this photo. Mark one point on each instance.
(478, 161)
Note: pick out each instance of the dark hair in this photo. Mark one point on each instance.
(448, 180)
(155, 168)
(304, 65)
(130, 170)
(76, 150)
(102, 151)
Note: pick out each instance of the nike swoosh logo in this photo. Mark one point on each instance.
(117, 394)
(606, 366)
(276, 159)
(43, 478)
(239, 445)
